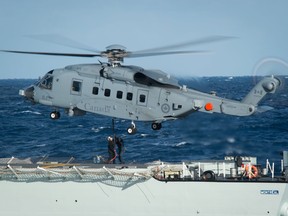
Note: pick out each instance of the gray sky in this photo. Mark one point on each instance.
(260, 28)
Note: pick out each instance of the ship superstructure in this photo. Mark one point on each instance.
(233, 186)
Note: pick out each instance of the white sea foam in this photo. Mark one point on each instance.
(181, 143)
(97, 129)
(231, 139)
(29, 111)
(41, 145)
(144, 135)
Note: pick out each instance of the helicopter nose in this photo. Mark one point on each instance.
(28, 93)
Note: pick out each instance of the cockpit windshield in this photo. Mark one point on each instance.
(47, 81)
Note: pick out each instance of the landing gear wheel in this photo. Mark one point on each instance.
(55, 115)
(131, 130)
(156, 126)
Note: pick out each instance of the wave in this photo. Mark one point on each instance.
(144, 135)
(41, 145)
(231, 140)
(32, 112)
(181, 144)
(98, 129)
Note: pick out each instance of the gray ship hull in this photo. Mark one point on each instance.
(151, 197)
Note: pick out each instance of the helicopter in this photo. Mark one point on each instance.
(132, 92)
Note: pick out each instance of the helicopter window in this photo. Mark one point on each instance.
(142, 98)
(95, 90)
(129, 96)
(107, 92)
(119, 94)
(50, 72)
(46, 82)
(76, 86)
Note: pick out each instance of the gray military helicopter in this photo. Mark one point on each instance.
(132, 92)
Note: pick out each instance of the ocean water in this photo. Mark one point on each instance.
(27, 131)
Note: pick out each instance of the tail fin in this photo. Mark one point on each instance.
(265, 86)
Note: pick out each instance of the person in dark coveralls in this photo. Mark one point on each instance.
(111, 150)
(120, 145)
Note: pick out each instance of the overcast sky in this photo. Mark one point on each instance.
(260, 28)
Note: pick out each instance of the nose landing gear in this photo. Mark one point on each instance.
(55, 115)
(132, 129)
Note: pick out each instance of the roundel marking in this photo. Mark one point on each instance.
(165, 108)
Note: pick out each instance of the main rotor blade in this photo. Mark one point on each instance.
(204, 40)
(63, 41)
(52, 54)
(136, 55)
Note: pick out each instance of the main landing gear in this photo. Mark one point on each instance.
(132, 129)
(156, 126)
(55, 115)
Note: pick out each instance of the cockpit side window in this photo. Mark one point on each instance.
(46, 82)
(76, 87)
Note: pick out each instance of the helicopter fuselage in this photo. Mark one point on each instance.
(131, 92)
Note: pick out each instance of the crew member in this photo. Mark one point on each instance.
(111, 150)
(120, 145)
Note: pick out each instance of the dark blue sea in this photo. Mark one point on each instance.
(27, 131)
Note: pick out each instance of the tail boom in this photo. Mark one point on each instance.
(246, 107)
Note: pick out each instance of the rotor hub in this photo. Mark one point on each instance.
(115, 54)
(115, 47)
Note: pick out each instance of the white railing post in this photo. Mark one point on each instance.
(268, 167)
(199, 171)
(273, 170)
